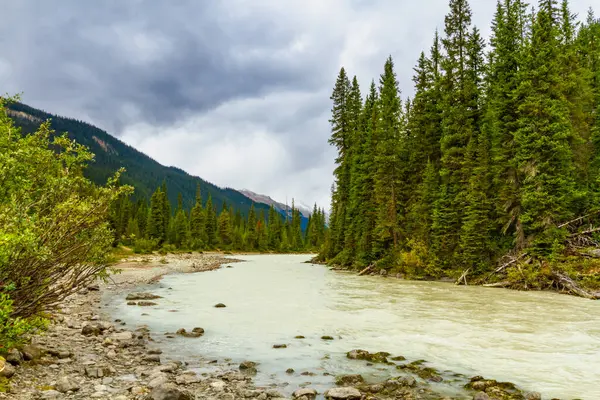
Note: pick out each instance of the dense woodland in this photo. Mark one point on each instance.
(493, 163)
(155, 225)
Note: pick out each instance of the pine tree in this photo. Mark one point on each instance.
(341, 131)
(156, 223)
(388, 173)
(544, 157)
(251, 236)
(211, 223)
(224, 229)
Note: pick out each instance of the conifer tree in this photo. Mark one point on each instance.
(544, 157)
(388, 173)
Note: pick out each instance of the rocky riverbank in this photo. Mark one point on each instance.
(85, 355)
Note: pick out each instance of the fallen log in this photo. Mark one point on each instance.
(572, 287)
(463, 277)
(497, 284)
(366, 270)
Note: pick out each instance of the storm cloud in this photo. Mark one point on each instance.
(234, 91)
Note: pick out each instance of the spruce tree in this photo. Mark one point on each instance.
(544, 157)
(388, 173)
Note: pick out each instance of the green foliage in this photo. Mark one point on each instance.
(13, 329)
(54, 229)
(493, 156)
(144, 246)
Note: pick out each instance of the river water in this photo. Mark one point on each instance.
(540, 341)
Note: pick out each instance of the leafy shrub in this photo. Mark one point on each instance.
(54, 231)
(12, 330)
(144, 246)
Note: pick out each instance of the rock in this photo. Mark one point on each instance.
(96, 372)
(154, 351)
(196, 332)
(142, 296)
(326, 337)
(218, 386)
(66, 384)
(533, 396)
(151, 358)
(146, 303)
(343, 393)
(383, 272)
(31, 352)
(398, 358)
(91, 328)
(481, 396)
(131, 303)
(50, 394)
(158, 380)
(220, 305)
(247, 365)
(187, 379)
(14, 357)
(93, 287)
(169, 391)
(348, 380)
(408, 381)
(121, 336)
(379, 357)
(6, 369)
(299, 337)
(280, 346)
(289, 371)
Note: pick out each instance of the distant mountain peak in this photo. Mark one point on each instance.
(281, 207)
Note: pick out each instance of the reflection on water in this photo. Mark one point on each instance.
(541, 341)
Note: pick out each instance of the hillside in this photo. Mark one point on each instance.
(142, 172)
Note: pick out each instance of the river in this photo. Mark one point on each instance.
(541, 341)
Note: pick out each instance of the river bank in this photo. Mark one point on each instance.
(84, 354)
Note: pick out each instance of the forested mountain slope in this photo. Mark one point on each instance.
(142, 172)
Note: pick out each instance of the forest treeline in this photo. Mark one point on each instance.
(493, 161)
(153, 225)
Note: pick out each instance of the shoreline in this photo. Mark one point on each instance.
(82, 355)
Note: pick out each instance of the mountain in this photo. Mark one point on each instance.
(142, 172)
(283, 209)
(263, 198)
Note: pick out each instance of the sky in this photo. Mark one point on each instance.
(234, 91)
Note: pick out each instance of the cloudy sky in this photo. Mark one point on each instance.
(235, 91)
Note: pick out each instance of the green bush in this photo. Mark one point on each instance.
(54, 230)
(144, 246)
(12, 330)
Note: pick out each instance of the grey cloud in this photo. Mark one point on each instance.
(203, 77)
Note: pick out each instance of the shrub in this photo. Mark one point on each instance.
(144, 246)
(13, 329)
(54, 234)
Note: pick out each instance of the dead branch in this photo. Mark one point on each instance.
(366, 270)
(463, 277)
(572, 287)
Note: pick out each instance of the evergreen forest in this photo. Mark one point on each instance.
(153, 225)
(491, 170)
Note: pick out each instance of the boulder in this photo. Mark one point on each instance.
(247, 365)
(220, 305)
(91, 328)
(158, 380)
(379, 357)
(383, 272)
(31, 352)
(306, 392)
(14, 357)
(66, 384)
(142, 296)
(327, 337)
(343, 393)
(121, 336)
(349, 380)
(481, 396)
(146, 303)
(299, 337)
(289, 371)
(151, 358)
(280, 346)
(533, 396)
(6, 369)
(169, 391)
(187, 379)
(196, 332)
